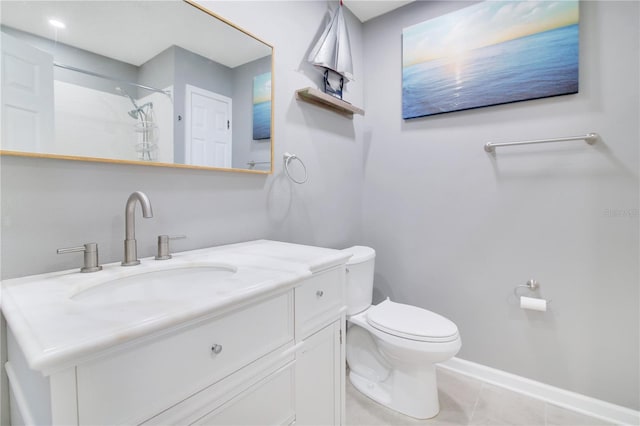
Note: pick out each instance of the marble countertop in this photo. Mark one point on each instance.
(56, 326)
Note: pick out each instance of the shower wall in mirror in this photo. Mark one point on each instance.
(150, 82)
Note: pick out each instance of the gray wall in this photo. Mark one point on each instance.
(245, 148)
(202, 72)
(456, 229)
(158, 72)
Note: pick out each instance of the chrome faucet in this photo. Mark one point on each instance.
(130, 246)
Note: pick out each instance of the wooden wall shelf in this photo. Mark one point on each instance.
(321, 99)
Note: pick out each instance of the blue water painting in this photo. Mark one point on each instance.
(262, 120)
(262, 106)
(503, 69)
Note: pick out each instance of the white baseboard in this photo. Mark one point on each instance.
(573, 401)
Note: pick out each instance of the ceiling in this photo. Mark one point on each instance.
(369, 9)
(134, 31)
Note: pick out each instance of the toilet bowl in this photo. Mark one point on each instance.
(392, 348)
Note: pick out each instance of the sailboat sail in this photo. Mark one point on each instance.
(332, 50)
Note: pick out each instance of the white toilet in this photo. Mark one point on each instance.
(392, 348)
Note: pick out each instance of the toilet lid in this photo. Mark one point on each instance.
(411, 322)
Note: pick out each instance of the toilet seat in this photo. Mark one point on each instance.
(411, 322)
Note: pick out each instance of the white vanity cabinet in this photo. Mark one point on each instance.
(274, 359)
(174, 377)
(127, 387)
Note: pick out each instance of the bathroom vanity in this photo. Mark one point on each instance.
(249, 333)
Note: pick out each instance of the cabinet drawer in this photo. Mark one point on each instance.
(318, 300)
(230, 388)
(269, 402)
(136, 384)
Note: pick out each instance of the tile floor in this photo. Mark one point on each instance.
(466, 401)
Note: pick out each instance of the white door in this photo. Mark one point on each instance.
(208, 128)
(319, 375)
(27, 97)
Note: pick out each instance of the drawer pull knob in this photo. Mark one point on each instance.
(319, 293)
(216, 349)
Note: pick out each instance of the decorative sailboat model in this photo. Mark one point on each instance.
(332, 52)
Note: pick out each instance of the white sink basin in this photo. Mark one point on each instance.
(159, 284)
(61, 317)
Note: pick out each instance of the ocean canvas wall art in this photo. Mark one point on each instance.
(491, 53)
(262, 106)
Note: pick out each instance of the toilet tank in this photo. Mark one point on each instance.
(359, 278)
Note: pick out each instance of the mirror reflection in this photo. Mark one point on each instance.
(143, 81)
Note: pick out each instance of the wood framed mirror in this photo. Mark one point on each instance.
(160, 83)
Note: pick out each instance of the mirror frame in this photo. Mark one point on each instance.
(214, 15)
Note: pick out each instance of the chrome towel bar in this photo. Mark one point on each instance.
(589, 138)
(252, 163)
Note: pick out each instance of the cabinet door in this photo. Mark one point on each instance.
(269, 402)
(318, 378)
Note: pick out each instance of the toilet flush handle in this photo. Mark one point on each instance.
(319, 293)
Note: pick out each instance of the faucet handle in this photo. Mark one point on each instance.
(90, 250)
(163, 246)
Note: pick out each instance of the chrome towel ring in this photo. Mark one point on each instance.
(287, 159)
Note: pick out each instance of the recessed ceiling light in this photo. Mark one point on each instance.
(56, 23)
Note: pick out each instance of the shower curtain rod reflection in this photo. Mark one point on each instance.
(106, 77)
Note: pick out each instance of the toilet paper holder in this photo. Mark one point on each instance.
(531, 285)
